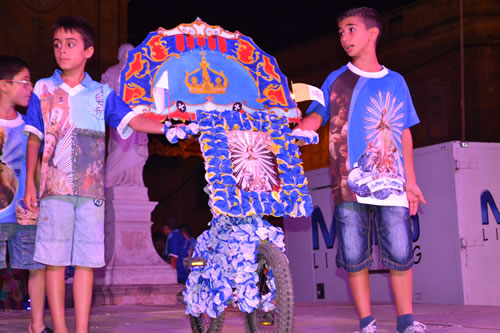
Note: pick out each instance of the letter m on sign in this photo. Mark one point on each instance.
(328, 236)
(487, 199)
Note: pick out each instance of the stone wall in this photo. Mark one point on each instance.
(26, 31)
(422, 42)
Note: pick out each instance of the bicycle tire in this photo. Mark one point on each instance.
(206, 324)
(270, 256)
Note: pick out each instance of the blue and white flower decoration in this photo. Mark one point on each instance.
(230, 249)
(278, 189)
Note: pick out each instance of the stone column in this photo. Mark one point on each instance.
(134, 272)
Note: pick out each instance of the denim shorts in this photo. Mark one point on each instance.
(20, 240)
(391, 226)
(70, 232)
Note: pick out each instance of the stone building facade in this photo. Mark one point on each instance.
(422, 42)
(26, 31)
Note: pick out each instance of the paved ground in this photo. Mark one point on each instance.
(310, 318)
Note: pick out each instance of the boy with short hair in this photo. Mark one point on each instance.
(15, 90)
(69, 111)
(369, 110)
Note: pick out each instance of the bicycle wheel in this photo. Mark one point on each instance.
(206, 324)
(272, 263)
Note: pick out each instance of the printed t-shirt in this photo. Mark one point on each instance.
(367, 113)
(12, 166)
(71, 122)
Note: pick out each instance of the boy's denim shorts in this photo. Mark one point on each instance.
(70, 232)
(20, 240)
(393, 232)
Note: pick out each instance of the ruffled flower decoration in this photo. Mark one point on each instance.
(192, 129)
(175, 133)
(180, 132)
(230, 250)
(166, 126)
(309, 137)
(261, 174)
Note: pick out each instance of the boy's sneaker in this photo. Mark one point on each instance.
(370, 328)
(416, 327)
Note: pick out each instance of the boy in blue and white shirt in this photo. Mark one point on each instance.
(69, 112)
(15, 90)
(369, 110)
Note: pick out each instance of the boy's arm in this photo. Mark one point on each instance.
(413, 192)
(173, 251)
(145, 125)
(32, 155)
(173, 261)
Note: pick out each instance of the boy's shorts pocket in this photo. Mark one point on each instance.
(4, 236)
(28, 246)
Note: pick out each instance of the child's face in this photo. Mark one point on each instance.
(19, 92)
(69, 51)
(355, 38)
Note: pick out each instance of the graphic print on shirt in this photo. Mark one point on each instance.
(377, 171)
(340, 101)
(73, 158)
(88, 160)
(98, 111)
(10, 166)
(56, 158)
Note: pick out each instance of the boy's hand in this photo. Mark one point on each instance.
(300, 143)
(414, 195)
(173, 261)
(30, 199)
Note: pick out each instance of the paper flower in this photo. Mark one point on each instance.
(309, 137)
(192, 129)
(176, 132)
(253, 166)
(230, 249)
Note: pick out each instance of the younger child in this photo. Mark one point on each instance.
(15, 90)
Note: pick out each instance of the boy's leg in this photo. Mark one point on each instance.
(82, 292)
(22, 247)
(53, 247)
(402, 287)
(55, 293)
(396, 249)
(36, 289)
(88, 253)
(359, 284)
(395, 242)
(352, 222)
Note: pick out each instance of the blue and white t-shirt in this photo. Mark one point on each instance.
(367, 113)
(72, 124)
(12, 166)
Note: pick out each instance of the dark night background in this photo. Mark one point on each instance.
(413, 44)
(272, 25)
(420, 40)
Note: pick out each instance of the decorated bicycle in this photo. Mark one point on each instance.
(232, 96)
